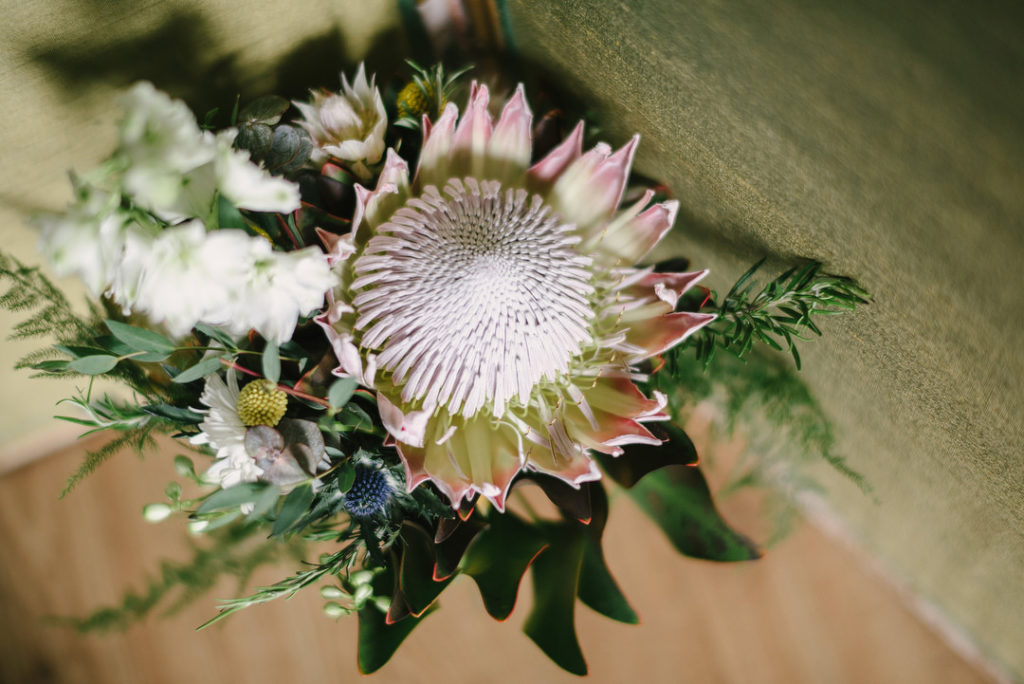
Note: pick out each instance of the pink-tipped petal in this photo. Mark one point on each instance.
(339, 247)
(589, 191)
(656, 335)
(511, 143)
(408, 428)
(619, 396)
(469, 143)
(437, 144)
(544, 173)
(667, 287)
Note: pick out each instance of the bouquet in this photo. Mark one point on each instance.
(384, 323)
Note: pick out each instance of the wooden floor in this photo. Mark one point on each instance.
(807, 612)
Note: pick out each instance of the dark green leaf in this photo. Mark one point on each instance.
(497, 559)
(341, 391)
(93, 365)
(295, 505)
(228, 215)
(140, 339)
(640, 459)
(416, 571)
(56, 366)
(271, 362)
(678, 499)
(216, 334)
(175, 414)
(598, 589)
(450, 549)
(379, 639)
(200, 370)
(552, 624)
(289, 150)
(345, 476)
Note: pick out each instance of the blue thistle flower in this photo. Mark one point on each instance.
(370, 493)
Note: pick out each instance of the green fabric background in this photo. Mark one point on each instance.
(887, 140)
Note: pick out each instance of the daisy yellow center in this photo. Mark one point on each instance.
(473, 297)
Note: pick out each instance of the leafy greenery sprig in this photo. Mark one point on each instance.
(778, 314)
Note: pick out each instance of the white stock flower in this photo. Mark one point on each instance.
(175, 170)
(278, 287)
(348, 125)
(87, 240)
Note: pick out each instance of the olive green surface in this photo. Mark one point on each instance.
(886, 140)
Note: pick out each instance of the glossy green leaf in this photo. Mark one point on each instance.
(271, 361)
(295, 505)
(497, 559)
(266, 110)
(200, 370)
(416, 574)
(677, 498)
(140, 339)
(640, 459)
(228, 215)
(93, 365)
(345, 476)
(552, 622)
(450, 550)
(378, 640)
(599, 590)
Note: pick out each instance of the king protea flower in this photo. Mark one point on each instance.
(495, 308)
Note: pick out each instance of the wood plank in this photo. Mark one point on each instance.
(808, 612)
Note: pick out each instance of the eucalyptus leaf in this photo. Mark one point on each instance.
(295, 505)
(289, 150)
(200, 370)
(216, 334)
(341, 391)
(271, 361)
(256, 138)
(246, 492)
(140, 339)
(52, 366)
(264, 502)
(93, 365)
(266, 110)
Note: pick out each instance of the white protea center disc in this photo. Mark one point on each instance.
(472, 298)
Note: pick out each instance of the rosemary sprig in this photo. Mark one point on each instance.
(778, 314)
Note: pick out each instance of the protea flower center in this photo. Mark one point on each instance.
(473, 297)
(494, 307)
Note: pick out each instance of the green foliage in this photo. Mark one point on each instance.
(226, 554)
(426, 94)
(137, 438)
(778, 314)
(49, 313)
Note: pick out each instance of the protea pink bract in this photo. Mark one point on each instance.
(494, 306)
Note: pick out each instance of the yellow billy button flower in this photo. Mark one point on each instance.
(414, 100)
(261, 403)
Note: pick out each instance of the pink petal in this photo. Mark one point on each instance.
(619, 396)
(469, 143)
(590, 189)
(668, 287)
(544, 173)
(437, 143)
(408, 428)
(658, 334)
(511, 143)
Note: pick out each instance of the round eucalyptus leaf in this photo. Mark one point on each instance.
(256, 138)
(265, 110)
(289, 150)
